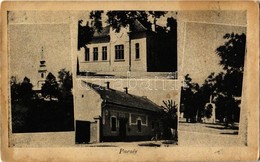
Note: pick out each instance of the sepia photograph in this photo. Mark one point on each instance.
(126, 113)
(90, 82)
(45, 103)
(212, 81)
(112, 43)
(40, 87)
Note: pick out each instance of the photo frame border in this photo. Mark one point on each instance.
(178, 153)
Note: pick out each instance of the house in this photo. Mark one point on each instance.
(138, 50)
(105, 114)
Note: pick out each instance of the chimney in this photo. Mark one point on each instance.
(107, 84)
(126, 90)
(153, 27)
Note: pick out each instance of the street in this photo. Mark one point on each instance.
(202, 134)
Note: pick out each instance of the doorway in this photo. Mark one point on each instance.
(82, 132)
(122, 129)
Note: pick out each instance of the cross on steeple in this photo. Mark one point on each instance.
(42, 53)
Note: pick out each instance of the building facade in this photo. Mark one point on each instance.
(140, 50)
(105, 114)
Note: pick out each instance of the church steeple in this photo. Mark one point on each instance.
(42, 61)
(42, 71)
(42, 54)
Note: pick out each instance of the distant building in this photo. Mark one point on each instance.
(42, 73)
(209, 112)
(105, 114)
(41, 78)
(139, 50)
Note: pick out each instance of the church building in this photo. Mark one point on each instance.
(42, 72)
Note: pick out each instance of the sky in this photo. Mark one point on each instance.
(201, 42)
(200, 33)
(26, 42)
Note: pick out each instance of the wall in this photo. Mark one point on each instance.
(87, 102)
(139, 64)
(131, 127)
(93, 132)
(95, 66)
(121, 38)
(117, 39)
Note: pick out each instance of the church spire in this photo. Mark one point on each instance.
(42, 71)
(42, 53)
(42, 61)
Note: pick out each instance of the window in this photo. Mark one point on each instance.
(42, 75)
(95, 54)
(87, 54)
(104, 53)
(137, 51)
(113, 123)
(119, 52)
(139, 125)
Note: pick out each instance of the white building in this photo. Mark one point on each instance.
(141, 50)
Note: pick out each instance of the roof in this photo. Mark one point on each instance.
(124, 99)
(138, 27)
(103, 33)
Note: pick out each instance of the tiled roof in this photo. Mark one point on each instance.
(124, 99)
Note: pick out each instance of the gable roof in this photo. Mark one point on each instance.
(138, 27)
(103, 33)
(124, 99)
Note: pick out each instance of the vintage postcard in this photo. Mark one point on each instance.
(130, 81)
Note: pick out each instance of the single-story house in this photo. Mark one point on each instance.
(105, 114)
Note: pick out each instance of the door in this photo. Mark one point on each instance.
(122, 129)
(82, 131)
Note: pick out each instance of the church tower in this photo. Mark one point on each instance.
(42, 72)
